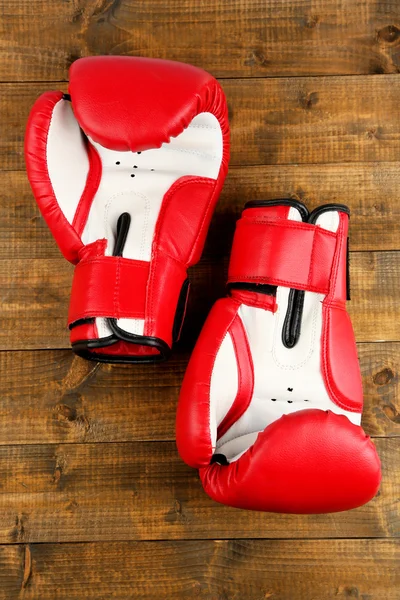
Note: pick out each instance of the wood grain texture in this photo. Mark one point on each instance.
(314, 120)
(143, 491)
(217, 570)
(39, 39)
(51, 397)
(381, 385)
(299, 120)
(56, 397)
(370, 190)
(87, 452)
(35, 297)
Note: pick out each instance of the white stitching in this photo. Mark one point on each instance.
(194, 152)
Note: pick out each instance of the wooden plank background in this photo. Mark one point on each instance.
(94, 500)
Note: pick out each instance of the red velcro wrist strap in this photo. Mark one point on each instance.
(285, 253)
(109, 286)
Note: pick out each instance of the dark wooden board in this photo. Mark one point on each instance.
(208, 570)
(300, 120)
(143, 491)
(52, 397)
(233, 39)
(371, 190)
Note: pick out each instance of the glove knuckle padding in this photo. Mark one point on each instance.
(271, 404)
(302, 462)
(126, 175)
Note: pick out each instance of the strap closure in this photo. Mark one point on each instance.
(109, 286)
(282, 253)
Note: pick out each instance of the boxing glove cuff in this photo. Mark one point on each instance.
(287, 253)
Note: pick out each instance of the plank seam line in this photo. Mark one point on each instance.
(232, 78)
(135, 442)
(389, 540)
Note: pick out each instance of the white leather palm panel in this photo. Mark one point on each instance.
(286, 380)
(67, 159)
(132, 182)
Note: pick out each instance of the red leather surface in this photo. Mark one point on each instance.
(183, 211)
(168, 276)
(267, 212)
(339, 361)
(85, 331)
(256, 299)
(178, 241)
(133, 103)
(37, 130)
(193, 435)
(311, 461)
(338, 288)
(245, 369)
(281, 252)
(122, 348)
(109, 286)
(91, 187)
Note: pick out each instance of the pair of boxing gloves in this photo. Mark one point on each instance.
(126, 170)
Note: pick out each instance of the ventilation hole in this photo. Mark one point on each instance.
(135, 166)
(151, 169)
(290, 401)
(133, 175)
(273, 399)
(306, 400)
(290, 389)
(117, 163)
(139, 153)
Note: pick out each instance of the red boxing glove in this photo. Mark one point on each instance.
(126, 172)
(271, 402)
